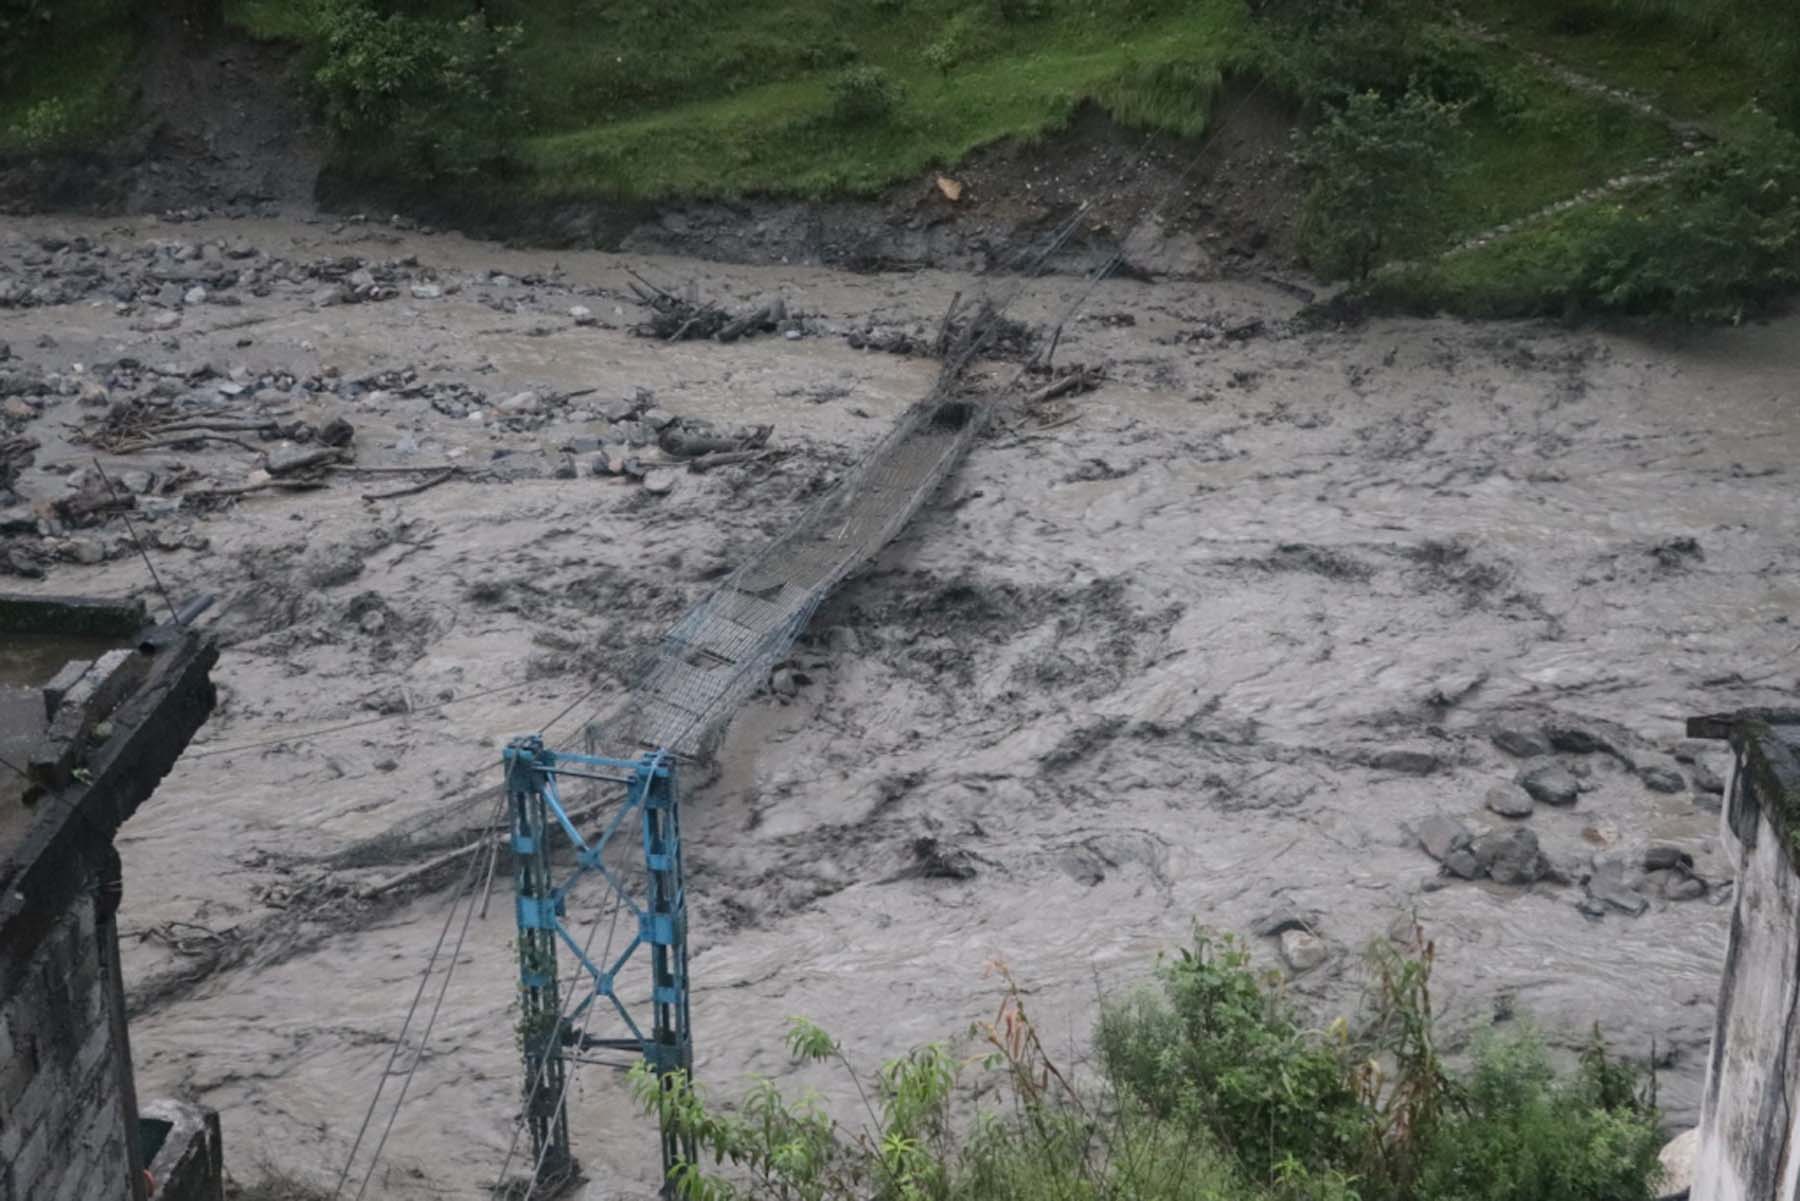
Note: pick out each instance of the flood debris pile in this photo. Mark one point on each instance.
(674, 318)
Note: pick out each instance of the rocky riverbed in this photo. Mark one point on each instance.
(1299, 632)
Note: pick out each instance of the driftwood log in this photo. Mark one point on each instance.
(767, 316)
(686, 444)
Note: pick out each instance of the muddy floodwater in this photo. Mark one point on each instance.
(1147, 660)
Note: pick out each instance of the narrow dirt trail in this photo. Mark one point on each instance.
(1144, 669)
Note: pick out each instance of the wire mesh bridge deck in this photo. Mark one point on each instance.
(723, 648)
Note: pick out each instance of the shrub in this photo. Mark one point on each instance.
(1214, 1091)
(1218, 1047)
(44, 125)
(436, 97)
(1526, 1136)
(1377, 169)
(863, 95)
(1724, 242)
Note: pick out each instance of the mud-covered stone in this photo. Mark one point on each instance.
(1410, 763)
(1303, 950)
(1440, 835)
(1551, 784)
(1522, 742)
(1510, 800)
(1684, 888)
(1511, 857)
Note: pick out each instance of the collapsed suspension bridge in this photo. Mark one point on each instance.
(718, 654)
(709, 662)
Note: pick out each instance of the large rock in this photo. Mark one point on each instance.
(1680, 887)
(1522, 741)
(1662, 779)
(1607, 887)
(1509, 800)
(329, 566)
(522, 404)
(1303, 951)
(1706, 779)
(1677, 1159)
(1575, 740)
(1551, 784)
(1511, 857)
(1411, 763)
(1441, 835)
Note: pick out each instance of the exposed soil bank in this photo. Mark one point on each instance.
(1151, 665)
(222, 131)
(1224, 204)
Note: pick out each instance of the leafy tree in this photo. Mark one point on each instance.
(433, 96)
(1378, 169)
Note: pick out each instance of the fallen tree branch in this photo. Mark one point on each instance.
(184, 440)
(1075, 381)
(306, 461)
(413, 489)
(358, 469)
(370, 891)
(771, 312)
(725, 458)
(298, 485)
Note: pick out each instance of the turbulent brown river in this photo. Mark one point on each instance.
(1143, 663)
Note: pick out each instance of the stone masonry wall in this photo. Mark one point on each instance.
(1749, 1147)
(62, 1098)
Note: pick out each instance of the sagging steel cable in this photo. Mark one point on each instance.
(400, 1039)
(425, 1036)
(206, 752)
(418, 995)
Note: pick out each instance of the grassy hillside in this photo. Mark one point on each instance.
(65, 73)
(646, 100)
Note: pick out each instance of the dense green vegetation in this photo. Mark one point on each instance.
(655, 99)
(1210, 1087)
(64, 72)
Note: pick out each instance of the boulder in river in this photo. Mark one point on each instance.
(1607, 886)
(1677, 1159)
(1551, 784)
(1511, 856)
(1523, 742)
(1411, 763)
(1303, 950)
(1683, 887)
(1662, 779)
(1510, 800)
(1441, 835)
(1575, 741)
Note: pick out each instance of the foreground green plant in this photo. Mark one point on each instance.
(1211, 1088)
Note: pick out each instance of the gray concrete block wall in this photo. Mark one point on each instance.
(62, 1120)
